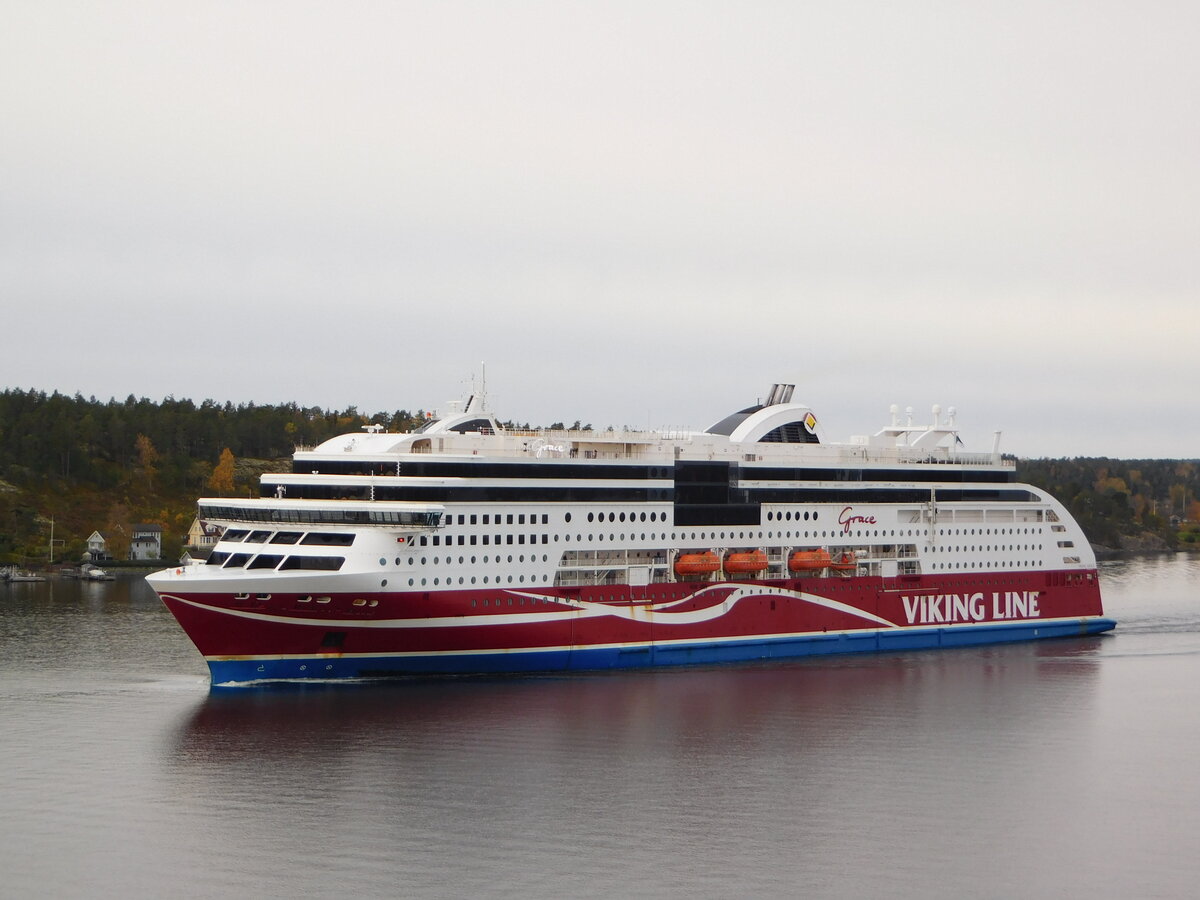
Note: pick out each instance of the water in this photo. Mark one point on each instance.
(1066, 768)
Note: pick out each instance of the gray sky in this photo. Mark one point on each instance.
(636, 213)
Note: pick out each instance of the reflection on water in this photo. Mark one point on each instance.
(1057, 768)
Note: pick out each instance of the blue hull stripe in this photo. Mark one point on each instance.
(226, 671)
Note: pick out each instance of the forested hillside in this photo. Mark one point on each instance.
(1124, 503)
(94, 465)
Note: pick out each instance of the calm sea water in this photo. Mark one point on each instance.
(1065, 768)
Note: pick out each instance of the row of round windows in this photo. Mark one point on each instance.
(462, 559)
(482, 579)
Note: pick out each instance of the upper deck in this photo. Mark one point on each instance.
(776, 433)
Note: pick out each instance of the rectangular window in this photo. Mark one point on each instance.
(472, 518)
(510, 518)
(472, 540)
(521, 519)
(317, 563)
(486, 519)
(520, 538)
(327, 539)
(485, 539)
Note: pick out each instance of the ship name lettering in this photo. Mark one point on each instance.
(847, 518)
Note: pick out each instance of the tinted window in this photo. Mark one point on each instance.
(265, 561)
(328, 539)
(324, 563)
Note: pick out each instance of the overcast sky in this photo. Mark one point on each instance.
(635, 213)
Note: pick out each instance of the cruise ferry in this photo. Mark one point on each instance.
(468, 547)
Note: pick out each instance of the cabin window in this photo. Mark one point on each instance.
(328, 539)
(320, 563)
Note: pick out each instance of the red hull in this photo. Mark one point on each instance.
(557, 618)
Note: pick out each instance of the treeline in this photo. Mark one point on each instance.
(105, 465)
(56, 436)
(1118, 501)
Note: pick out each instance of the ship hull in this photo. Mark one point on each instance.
(378, 635)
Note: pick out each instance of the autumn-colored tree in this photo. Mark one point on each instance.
(147, 458)
(221, 480)
(117, 531)
(1193, 512)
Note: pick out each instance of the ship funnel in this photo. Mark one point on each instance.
(780, 393)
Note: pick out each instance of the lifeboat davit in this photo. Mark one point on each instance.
(809, 560)
(844, 564)
(746, 563)
(697, 563)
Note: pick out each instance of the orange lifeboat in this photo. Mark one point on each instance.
(809, 560)
(844, 564)
(746, 563)
(697, 563)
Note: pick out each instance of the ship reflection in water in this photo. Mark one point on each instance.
(746, 778)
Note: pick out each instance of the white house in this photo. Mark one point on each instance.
(97, 548)
(146, 542)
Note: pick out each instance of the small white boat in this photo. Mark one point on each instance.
(94, 573)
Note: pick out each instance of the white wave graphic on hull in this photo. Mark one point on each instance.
(659, 613)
